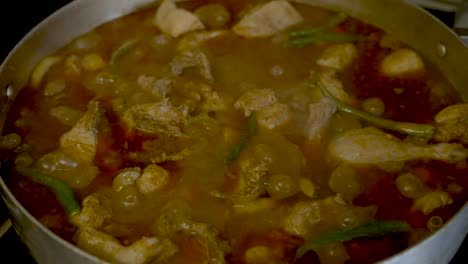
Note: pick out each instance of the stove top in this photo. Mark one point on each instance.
(24, 15)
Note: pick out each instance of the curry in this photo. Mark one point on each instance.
(238, 132)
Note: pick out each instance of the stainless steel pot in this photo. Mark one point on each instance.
(419, 29)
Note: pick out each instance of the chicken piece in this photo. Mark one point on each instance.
(93, 213)
(175, 217)
(189, 59)
(196, 39)
(452, 124)
(319, 117)
(176, 21)
(308, 218)
(142, 251)
(372, 146)
(329, 78)
(154, 178)
(431, 201)
(159, 88)
(65, 167)
(274, 115)
(155, 118)
(81, 141)
(253, 175)
(66, 115)
(251, 184)
(162, 149)
(402, 62)
(338, 56)
(267, 19)
(255, 100)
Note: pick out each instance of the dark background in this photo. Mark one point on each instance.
(17, 17)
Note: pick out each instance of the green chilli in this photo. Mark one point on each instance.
(375, 228)
(414, 129)
(251, 131)
(63, 192)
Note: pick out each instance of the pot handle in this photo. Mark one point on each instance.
(461, 22)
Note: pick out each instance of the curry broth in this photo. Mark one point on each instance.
(238, 65)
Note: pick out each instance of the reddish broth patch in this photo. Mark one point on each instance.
(370, 250)
(405, 99)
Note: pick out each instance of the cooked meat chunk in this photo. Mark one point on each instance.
(81, 141)
(401, 62)
(175, 217)
(255, 100)
(176, 21)
(308, 218)
(93, 213)
(154, 178)
(274, 115)
(67, 168)
(267, 19)
(165, 148)
(319, 116)
(452, 124)
(338, 56)
(159, 88)
(252, 177)
(66, 115)
(372, 146)
(330, 79)
(189, 59)
(142, 251)
(155, 118)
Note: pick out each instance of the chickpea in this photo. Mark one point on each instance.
(410, 186)
(344, 180)
(307, 187)
(54, 87)
(281, 186)
(434, 223)
(432, 201)
(24, 160)
(92, 62)
(259, 254)
(10, 141)
(374, 106)
(213, 15)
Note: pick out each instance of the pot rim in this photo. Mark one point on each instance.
(5, 191)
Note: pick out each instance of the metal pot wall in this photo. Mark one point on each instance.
(419, 29)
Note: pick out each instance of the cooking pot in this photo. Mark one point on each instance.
(419, 29)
